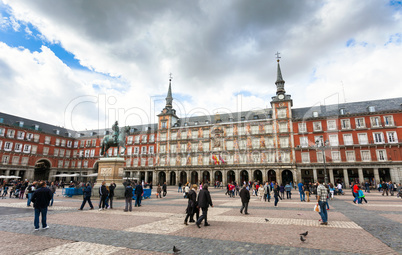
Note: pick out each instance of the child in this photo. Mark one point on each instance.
(361, 196)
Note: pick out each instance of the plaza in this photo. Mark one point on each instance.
(157, 226)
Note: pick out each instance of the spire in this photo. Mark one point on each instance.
(169, 98)
(280, 83)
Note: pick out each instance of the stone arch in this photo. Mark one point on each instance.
(257, 175)
(194, 177)
(244, 176)
(183, 177)
(287, 177)
(271, 175)
(172, 178)
(42, 169)
(218, 176)
(162, 177)
(206, 177)
(231, 176)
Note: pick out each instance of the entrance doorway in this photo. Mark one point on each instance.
(194, 177)
(271, 176)
(183, 177)
(42, 170)
(231, 177)
(172, 178)
(287, 177)
(205, 177)
(244, 176)
(162, 178)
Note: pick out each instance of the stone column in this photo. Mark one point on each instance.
(361, 176)
(178, 178)
(331, 176)
(346, 177)
(394, 175)
(376, 176)
(146, 176)
(315, 175)
(168, 177)
(224, 177)
(211, 177)
(188, 175)
(154, 181)
(278, 173)
(264, 175)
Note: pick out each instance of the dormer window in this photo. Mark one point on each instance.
(195, 123)
(20, 123)
(231, 119)
(243, 118)
(342, 111)
(57, 132)
(207, 122)
(255, 117)
(185, 124)
(1, 120)
(315, 114)
(36, 127)
(371, 108)
(218, 121)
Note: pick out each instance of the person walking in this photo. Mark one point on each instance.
(245, 199)
(87, 197)
(361, 196)
(384, 187)
(103, 194)
(260, 192)
(288, 189)
(367, 187)
(159, 191)
(53, 190)
(180, 189)
(322, 194)
(41, 198)
(112, 186)
(128, 194)
(204, 201)
(276, 194)
(356, 193)
(301, 192)
(164, 188)
(339, 187)
(31, 190)
(192, 205)
(139, 192)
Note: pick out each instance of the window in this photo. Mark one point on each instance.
(229, 145)
(206, 133)
(16, 160)
(381, 155)
(268, 128)
(150, 162)
(242, 118)
(18, 147)
(92, 153)
(194, 134)
(151, 149)
(47, 140)
(135, 162)
(362, 137)
(56, 152)
(34, 149)
(87, 143)
(36, 138)
(371, 109)
(68, 153)
(174, 135)
(283, 127)
(255, 143)
(242, 144)
(93, 143)
(69, 143)
(240, 130)
(205, 146)
(2, 131)
(24, 161)
(162, 149)
(163, 124)
(347, 139)
(304, 141)
(333, 140)
(205, 160)
(20, 135)
(76, 144)
(391, 136)
(388, 121)
(63, 143)
(183, 147)
(317, 126)
(345, 124)
(87, 153)
(375, 122)
(378, 137)
(336, 156)
(162, 136)
(281, 113)
(360, 123)
(366, 156)
(8, 146)
(319, 157)
(305, 157)
(1, 143)
(284, 157)
(315, 114)
(302, 127)
(10, 133)
(319, 140)
(331, 124)
(60, 164)
(284, 141)
(229, 131)
(350, 156)
(254, 130)
(66, 164)
(269, 142)
(342, 111)
(152, 138)
(5, 159)
(183, 134)
(144, 139)
(143, 150)
(57, 143)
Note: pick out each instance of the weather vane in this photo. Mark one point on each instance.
(277, 56)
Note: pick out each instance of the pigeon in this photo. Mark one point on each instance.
(302, 239)
(304, 234)
(266, 220)
(175, 249)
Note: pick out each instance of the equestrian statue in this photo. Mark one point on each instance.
(118, 139)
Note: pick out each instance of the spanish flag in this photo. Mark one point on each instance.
(216, 161)
(221, 159)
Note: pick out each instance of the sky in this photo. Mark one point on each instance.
(84, 64)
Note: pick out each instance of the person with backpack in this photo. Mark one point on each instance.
(361, 195)
(128, 194)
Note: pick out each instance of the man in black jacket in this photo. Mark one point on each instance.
(103, 193)
(164, 189)
(245, 198)
(204, 201)
(111, 194)
(87, 197)
(139, 191)
(128, 194)
(41, 198)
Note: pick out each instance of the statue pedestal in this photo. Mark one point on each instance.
(110, 170)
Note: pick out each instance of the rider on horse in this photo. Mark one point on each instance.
(116, 130)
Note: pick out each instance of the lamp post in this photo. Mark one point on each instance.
(320, 144)
(82, 159)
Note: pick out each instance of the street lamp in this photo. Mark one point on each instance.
(82, 159)
(320, 144)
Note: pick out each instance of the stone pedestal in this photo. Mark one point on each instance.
(110, 170)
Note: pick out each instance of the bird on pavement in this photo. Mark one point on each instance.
(175, 249)
(266, 220)
(302, 239)
(304, 234)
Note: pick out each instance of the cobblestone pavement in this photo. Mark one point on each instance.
(156, 226)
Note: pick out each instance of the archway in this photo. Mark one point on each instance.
(271, 176)
(162, 177)
(231, 177)
(218, 176)
(42, 170)
(257, 176)
(183, 177)
(287, 177)
(194, 177)
(384, 174)
(206, 177)
(244, 176)
(142, 176)
(172, 178)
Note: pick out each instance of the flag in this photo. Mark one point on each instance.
(221, 159)
(215, 160)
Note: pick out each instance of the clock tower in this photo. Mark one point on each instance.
(280, 87)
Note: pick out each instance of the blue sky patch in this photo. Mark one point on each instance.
(350, 43)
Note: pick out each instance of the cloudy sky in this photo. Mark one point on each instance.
(83, 64)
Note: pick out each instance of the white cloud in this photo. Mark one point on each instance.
(214, 50)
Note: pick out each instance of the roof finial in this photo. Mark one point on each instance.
(169, 98)
(277, 56)
(170, 77)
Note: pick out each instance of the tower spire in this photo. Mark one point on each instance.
(169, 98)
(280, 83)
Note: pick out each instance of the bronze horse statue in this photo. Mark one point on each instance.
(108, 141)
